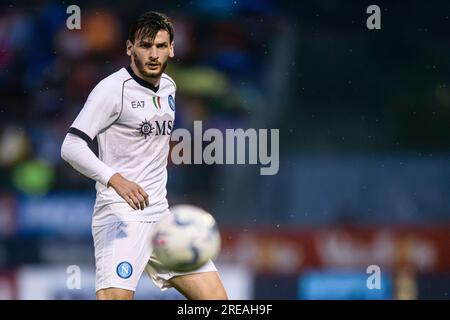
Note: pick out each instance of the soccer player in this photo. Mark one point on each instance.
(131, 112)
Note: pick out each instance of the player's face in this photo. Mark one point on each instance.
(150, 57)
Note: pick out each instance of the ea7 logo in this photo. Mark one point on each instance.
(137, 104)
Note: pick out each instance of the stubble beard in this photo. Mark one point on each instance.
(140, 65)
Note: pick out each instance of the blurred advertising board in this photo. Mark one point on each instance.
(322, 285)
(7, 215)
(433, 286)
(342, 285)
(66, 215)
(275, 286)
(8, 290)
(61, 282)
(423, 249)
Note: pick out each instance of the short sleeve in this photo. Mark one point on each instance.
(102, 108)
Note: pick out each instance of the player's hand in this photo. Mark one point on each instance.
(131, 192)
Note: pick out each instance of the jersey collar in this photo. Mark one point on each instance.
(142, 82)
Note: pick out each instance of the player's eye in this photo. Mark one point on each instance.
(162, 45)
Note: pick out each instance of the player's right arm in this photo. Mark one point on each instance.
(130, 191)
(100, 111)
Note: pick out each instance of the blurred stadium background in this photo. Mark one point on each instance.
(365, 138)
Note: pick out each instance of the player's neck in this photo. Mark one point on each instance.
(153, 81)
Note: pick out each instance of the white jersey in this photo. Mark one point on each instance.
(132, 121)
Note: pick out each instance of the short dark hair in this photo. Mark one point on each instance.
(148, 25)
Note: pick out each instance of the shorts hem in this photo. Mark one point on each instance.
(120, 286)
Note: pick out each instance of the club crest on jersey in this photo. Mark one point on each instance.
(157, 102)
(124, 270)
(171, 102)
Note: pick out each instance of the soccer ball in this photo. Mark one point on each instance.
(186, 239)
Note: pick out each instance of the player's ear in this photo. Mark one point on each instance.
(171, 51)
(129, 47)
